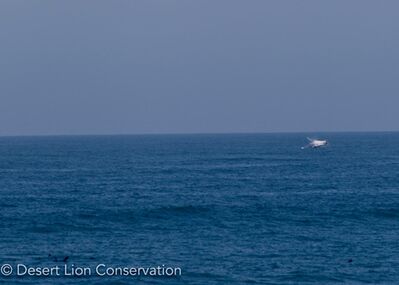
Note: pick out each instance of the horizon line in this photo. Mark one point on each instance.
(191, 133)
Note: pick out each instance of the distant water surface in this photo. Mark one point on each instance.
(227, 209)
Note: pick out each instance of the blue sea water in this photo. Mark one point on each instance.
(226, 209)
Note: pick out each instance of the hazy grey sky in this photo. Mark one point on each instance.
(94, 67)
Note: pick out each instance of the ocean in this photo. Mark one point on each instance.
(222, 209)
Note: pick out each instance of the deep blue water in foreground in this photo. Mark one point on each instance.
(226, 209)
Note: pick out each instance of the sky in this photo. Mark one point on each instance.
(205, 66)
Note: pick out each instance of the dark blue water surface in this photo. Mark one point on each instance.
(226, 209)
